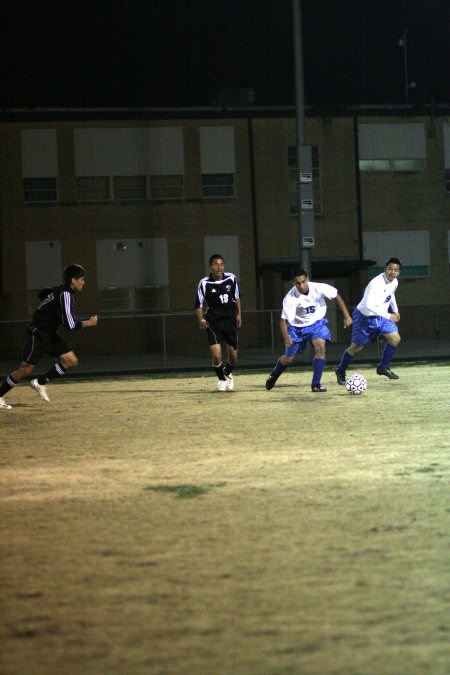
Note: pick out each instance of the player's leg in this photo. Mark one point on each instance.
(347, 358)
(24, 370)
(232, 356)
(216, 362)
(66, 359)
(34, 347)
(361, 335)
(319, 363)
(215, 339)
(392, 342)
(287, 358)
(319, 334)
(231, 339)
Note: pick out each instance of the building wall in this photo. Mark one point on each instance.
(414, 202)
(79, 226)
(258, 215)
(337, 228)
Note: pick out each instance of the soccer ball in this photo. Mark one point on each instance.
(355, 383)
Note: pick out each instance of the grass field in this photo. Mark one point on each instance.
(155, 525)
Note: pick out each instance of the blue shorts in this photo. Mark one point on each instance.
(301, 336)
(364, 328)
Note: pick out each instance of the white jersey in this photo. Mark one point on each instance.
(301, 309)
(379, 298)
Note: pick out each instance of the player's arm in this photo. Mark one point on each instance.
(284, 332)
(68, 319)
(199, 307)
(238, 313)
(393, 308)
(343, 307)
(202, 322)
(89, 323)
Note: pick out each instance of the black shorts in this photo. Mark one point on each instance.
(38, 344)
(223, 330)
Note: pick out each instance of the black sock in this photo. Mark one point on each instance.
(55, 371)
(219, 372)
(228, 369)
(8, 384)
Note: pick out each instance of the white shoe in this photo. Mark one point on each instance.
(230, 383)
(4, 405)
(222, 385)
(41, 390)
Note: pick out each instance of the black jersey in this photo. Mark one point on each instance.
(218, 296)
(55, 310)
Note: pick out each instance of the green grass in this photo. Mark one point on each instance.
(184, 491)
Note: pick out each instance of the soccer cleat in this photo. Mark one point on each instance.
(317, 388)
(222, 385)
(230, 382)
(388, 372)
(41, 390)
(270, 382)
(4, 405)
(340, 375)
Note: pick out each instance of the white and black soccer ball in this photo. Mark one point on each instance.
(356, 384)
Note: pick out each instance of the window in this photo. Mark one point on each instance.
(228, 246)
(133, 274)
(129, 164)
(39, 166)
(392, 148)
(166, 187)
(218, 164)
(293, 184)
(412, 247)
(39, 190)
(93, 189)
(129, 188)
(43, 268)
(446, 131)
(392, 165)
(218, 185)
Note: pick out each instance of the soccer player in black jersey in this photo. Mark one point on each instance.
(55, 310)
(218, 308)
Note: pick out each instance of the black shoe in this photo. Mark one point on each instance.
(340, 375)
(317, 388)
(388, 372)
(270, 382)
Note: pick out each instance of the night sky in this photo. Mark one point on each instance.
(165, 53)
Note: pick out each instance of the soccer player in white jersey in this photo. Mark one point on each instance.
(376, 314)
(303, 320)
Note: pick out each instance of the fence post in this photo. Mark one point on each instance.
(272, 337)
(164, 340)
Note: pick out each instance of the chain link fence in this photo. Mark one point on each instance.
(173, 341)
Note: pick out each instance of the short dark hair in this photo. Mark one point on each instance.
(394, 261)
(73, 271)
(299, 273)
(215, 256)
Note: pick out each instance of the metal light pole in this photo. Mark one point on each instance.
(304, 164)
(403, 43)
(408, 85)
